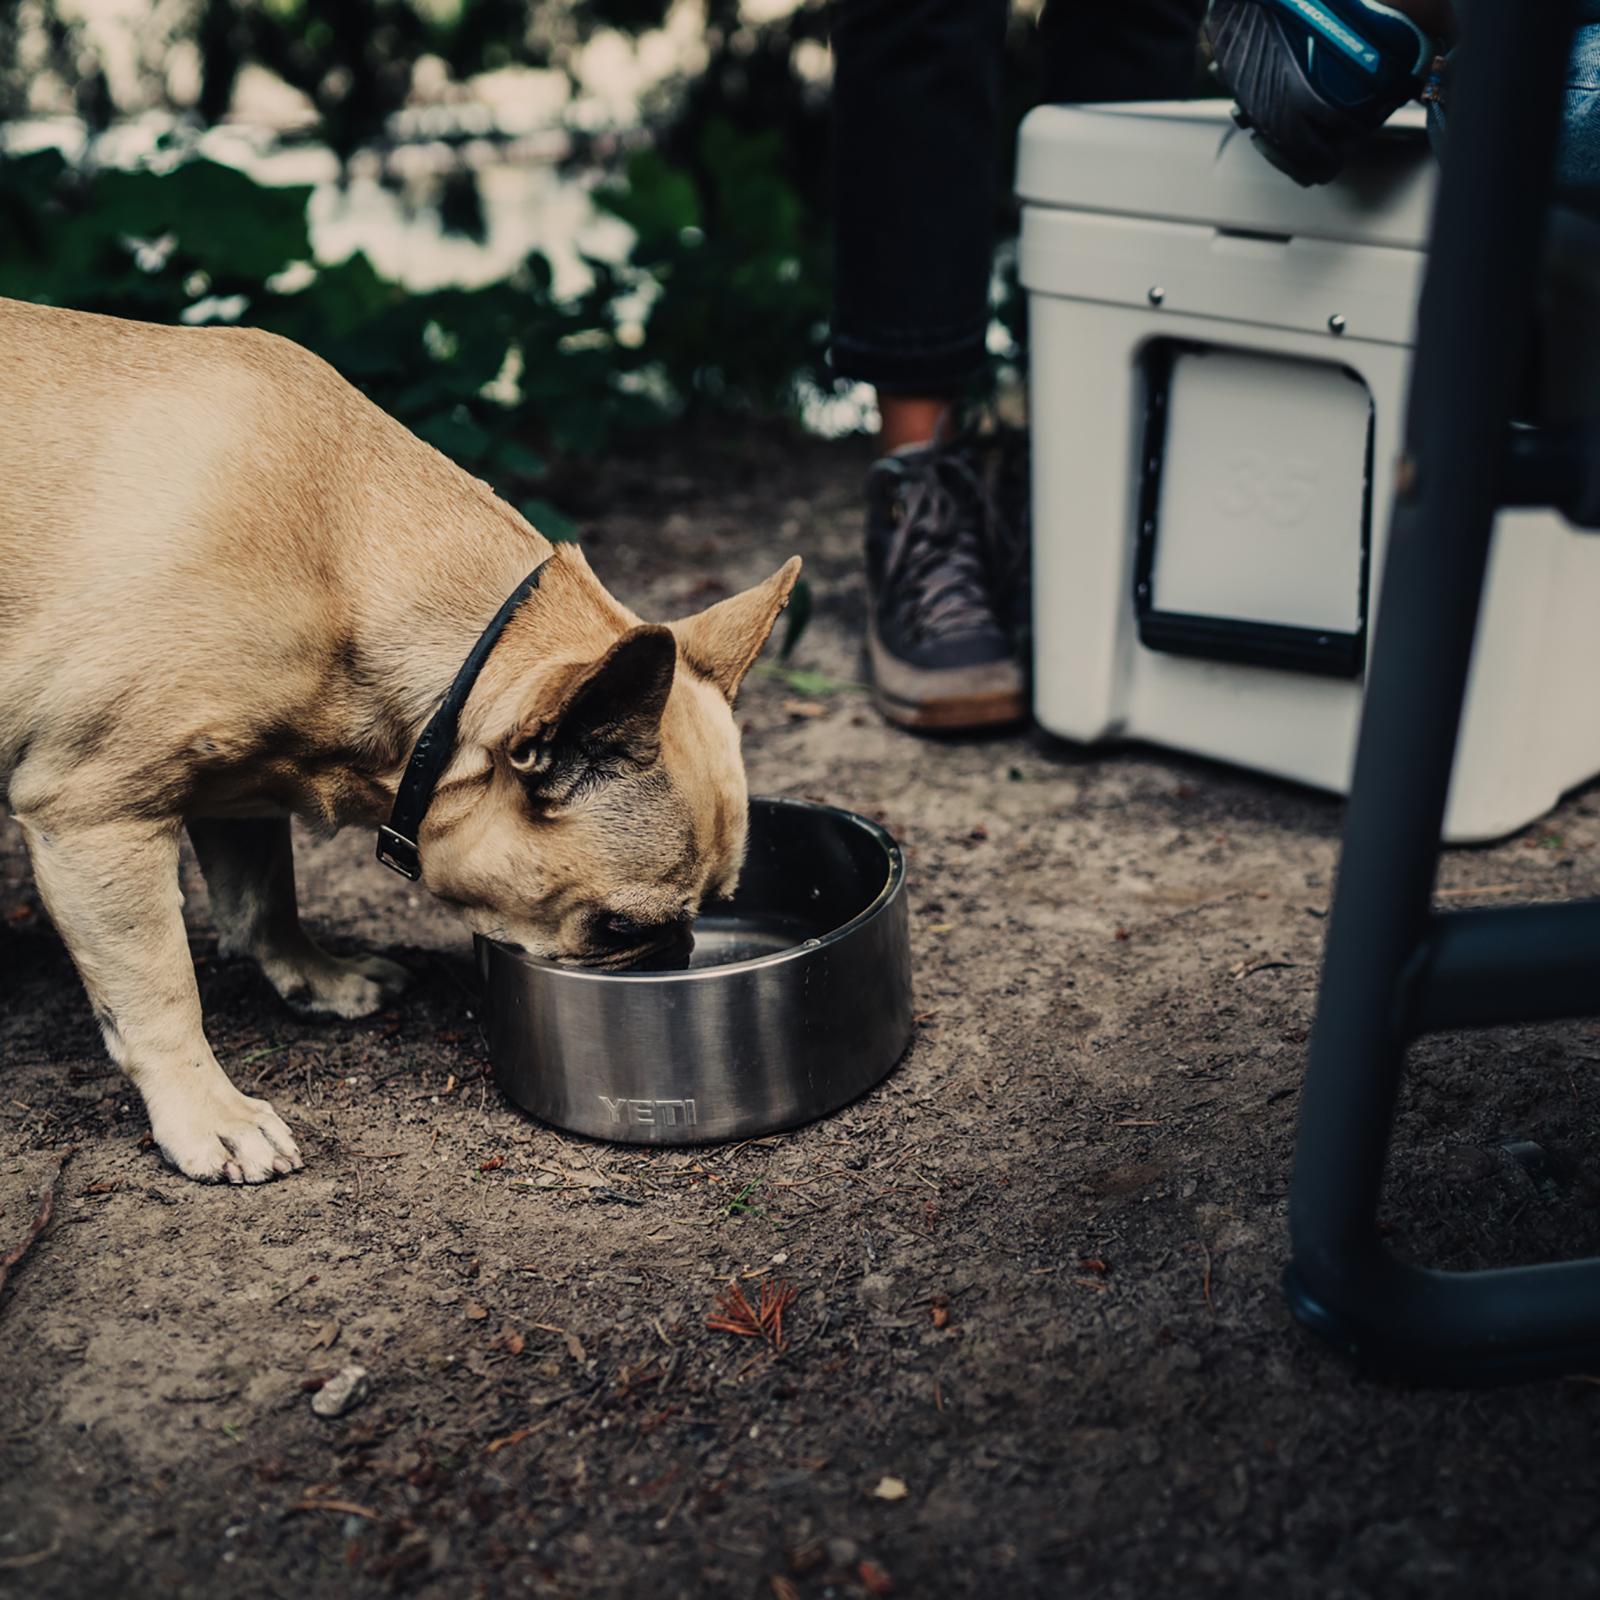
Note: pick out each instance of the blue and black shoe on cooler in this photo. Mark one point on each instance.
(1313, 78)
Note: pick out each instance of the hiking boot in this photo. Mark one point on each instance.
(1313, 78)
(942, 655)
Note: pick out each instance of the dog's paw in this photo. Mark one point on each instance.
(222, 1136)
(329, 986)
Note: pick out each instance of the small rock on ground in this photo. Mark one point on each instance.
(343, 1392)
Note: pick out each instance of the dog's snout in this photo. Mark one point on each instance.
(616, 930)
(623, 929)
(662, 945)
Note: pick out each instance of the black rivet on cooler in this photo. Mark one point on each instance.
(1336, 323)
(1156, 294)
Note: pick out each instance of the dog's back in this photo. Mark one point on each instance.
(200, 513)
(120, 435)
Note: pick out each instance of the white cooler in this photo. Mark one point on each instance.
(1219, 371)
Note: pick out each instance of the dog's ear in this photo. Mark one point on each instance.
(601, 718)
(722, 643)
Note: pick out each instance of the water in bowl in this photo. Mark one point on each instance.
(724, 937)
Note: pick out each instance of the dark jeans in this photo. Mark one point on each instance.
(916, 111)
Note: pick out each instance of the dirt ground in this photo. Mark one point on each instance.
(1038, 1346)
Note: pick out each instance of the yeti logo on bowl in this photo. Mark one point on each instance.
(650, 1113)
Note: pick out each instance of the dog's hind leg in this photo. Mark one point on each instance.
(249, 870)
(112, 891)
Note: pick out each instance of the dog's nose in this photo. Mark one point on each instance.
(618, 931)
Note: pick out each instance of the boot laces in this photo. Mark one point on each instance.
(940, 570)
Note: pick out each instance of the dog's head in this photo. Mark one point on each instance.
(613, 802)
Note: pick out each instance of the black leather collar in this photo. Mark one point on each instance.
(397, 840)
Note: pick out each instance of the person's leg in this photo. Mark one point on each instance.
(916, 106)
(916, 110)
(906, 420)
(1127, 50)
(1435, 17)
(1579, 170)
(916, 114)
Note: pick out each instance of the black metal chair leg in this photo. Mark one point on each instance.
(1392, 969)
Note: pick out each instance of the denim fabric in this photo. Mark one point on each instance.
(916, 113)
(1579, 171)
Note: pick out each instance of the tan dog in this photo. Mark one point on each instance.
(232, 590)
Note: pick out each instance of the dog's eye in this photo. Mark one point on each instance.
(618, 926)
(524, 752)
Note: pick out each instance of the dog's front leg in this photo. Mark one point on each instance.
(112, 891)
(249, 868)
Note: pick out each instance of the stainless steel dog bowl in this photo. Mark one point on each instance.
(797, 999)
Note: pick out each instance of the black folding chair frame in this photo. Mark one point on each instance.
(1396, 968)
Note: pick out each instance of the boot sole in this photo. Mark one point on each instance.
(953, 714)
(993, 694)
(1307, 176)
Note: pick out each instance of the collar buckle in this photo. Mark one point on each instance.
(399, 852)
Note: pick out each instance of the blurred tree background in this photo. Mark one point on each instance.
(716, 162)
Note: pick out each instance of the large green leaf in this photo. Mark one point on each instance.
(555, 526)
(230, 226)
(457, 435)
(658, 202)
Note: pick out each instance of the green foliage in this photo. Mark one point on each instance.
(353, 60)
(742, 270)
(721, 302)
(553, 524)
(204, 242)
(730, 272)
(796, 616)
(813, 685)
(74, 241)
